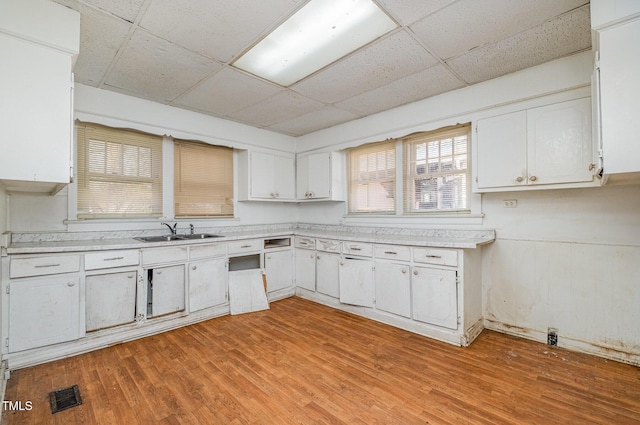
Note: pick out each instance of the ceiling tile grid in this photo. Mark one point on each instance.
(181, 53)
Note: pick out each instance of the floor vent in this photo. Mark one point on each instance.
(64, 399)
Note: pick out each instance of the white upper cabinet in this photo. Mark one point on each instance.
(617, 25)
(265, 176)
(36, 108)
(319, 177)
(548, 146)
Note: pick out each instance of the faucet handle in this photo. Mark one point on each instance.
(192, 227)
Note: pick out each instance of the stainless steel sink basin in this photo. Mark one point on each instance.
(200, 236)
(169, 238)
(166, 238)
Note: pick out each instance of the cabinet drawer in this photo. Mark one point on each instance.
(445, 257)
(207, 251)
(357, 248)
(164, 255)
(38, 266)
(109, 259)
(249, 245)
(308, 243)
(328, 245)
(393, 252)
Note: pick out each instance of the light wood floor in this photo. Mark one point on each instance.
(304, 363)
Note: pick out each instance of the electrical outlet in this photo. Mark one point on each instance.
(552, 337)
(509, 203)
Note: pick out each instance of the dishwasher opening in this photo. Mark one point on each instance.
(244, 262)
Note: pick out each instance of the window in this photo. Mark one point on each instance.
(203, 180)
(372, 178)
(436, 170)
(119, 173)
(434, 167)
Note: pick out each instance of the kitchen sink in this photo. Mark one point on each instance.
(169, 238)
(200, 236)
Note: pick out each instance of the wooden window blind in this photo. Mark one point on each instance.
(372, 178)
(119, 173)
(436, 170)
(203, 180)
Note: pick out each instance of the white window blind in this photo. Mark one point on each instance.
(119, 173)
(372, 178)
(203, 180)
(436, 170)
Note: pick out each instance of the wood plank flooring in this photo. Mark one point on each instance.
(304, 363)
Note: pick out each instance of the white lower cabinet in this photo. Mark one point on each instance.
(306, 269)
(393, 288)
(279, 268)
(328, 274)
(208, 283)
(356, 282)
(110, 300)
(43, 311)
(166, 293)
(434, 296)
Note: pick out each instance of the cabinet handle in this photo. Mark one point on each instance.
(113, 258)
(391, 252)
(342, 263)
(415, 272)
(42, 266)
(311, 256)
(245, 246)
(434, 256)
(519, 179)
(404, 271)
(194, 267)
(130, 276)
(71, 284)
(533, 178)
(310, 194)
(355, 248)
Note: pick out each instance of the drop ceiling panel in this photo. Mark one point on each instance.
(226, 92)
(468, 24)
(430, 82)
(313, 121)
(382, 62)
(217, 29)
(406, 12)
(157, 69)
(101, 36)
(127, 10)
(556, 38)
(281, 107)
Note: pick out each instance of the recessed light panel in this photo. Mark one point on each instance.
(316, 35)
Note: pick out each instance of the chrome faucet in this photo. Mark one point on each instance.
(192, 228)
(173, 229)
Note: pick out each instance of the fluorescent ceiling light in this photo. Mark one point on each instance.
(316, 35)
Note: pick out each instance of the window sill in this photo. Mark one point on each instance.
(145, 223)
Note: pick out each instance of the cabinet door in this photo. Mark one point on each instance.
(502, 150)
(434, 296)
(43, 311)
(35, 113)
(619, 94)
(285, 177)
(167, 290)
(393, 288)
(306, 269)
(110, 300)
(328, 274)
(207, 283)
(279, 268)
(356, 282)
(559, 143)
(314, 176)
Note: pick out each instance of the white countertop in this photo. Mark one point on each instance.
(36, 243)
